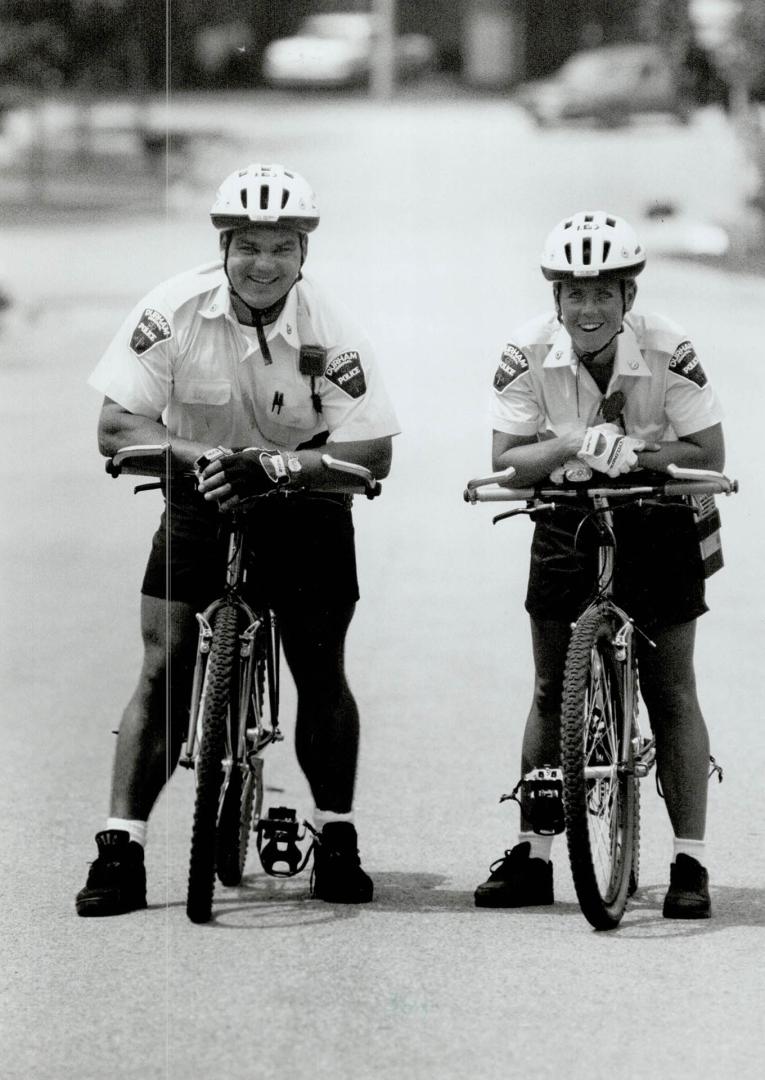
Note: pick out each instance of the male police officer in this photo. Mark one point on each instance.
(245, 353)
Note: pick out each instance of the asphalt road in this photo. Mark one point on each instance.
(433, 218)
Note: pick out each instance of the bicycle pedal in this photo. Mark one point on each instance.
(542, 800)
(277, 842)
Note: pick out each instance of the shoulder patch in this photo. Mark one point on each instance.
(512, 365)
(346, 372)
(152, 328)
(685, 362)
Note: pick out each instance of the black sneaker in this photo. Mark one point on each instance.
(517, 881)
(117, 879)
(688, 893)
(337, 874)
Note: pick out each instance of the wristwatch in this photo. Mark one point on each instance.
(282, 468)
(294, 467)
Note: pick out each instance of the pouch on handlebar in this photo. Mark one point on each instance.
(708, 530)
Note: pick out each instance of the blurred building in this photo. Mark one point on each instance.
(491, 44)
(495, 43)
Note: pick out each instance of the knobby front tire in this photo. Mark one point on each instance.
(220, 685)
(242, 800)
(234, 824)
(600, 812)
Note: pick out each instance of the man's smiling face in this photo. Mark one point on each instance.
(263, 263)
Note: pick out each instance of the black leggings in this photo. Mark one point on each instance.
(327, 726)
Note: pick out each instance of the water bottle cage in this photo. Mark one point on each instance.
(541, 800)
(279, 837)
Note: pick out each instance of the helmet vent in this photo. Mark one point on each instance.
(243, 197)
(285, 197)
(610, 221)
(587, 251)
(567, 250)
(568, 225)
(606, 249)
(264, 196)
(588, 218)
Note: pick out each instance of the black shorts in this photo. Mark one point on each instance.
(301, 552)
(659, 578)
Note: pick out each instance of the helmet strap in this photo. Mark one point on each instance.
(588, 357)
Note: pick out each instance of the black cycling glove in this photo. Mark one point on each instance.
(254, 471)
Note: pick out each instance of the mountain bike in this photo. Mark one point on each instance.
(234, 706)
(604, 753)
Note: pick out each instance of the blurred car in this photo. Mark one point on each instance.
(607, 84)
(335, 50)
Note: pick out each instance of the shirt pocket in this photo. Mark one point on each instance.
(203, 391)
(201, 409)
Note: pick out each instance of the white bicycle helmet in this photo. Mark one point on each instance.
(591, 244)
(265, 195)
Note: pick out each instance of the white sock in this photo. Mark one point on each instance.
(324, 817)
(137, 829)
(541, 846)
(695, 848)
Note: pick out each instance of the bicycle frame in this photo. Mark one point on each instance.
(624, 645)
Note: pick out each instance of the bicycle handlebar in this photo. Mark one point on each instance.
(155, 460)
(143, 460)
(683, 482)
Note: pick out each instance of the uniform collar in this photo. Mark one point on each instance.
(628, 360)
(220, 303)
(285, 325)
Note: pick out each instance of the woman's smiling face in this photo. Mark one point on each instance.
(592, 310)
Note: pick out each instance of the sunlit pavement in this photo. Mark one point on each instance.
(432, 221)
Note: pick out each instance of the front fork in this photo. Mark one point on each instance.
(199, 685)
(643, 749)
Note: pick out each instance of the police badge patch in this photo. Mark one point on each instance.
(346, 372)
(512, 365)
(152, 328)
(685, 362)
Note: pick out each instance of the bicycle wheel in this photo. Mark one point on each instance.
(219, 683)
(242, 797)
(598, 782)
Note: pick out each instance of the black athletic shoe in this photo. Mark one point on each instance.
(517, 881)
(117, 879)
(688, 893)
(337, 874)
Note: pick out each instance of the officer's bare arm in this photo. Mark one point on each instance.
(701, 450)
(117, 428)
(533, 459)
(374, 454)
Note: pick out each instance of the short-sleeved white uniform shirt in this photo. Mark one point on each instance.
(182, 355)
(540, 388)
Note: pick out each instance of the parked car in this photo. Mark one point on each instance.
(335, 50)
(607, 84)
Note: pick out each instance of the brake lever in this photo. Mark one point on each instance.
(523, 510)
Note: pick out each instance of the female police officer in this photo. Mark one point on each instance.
(593, 382)
(245, 353)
